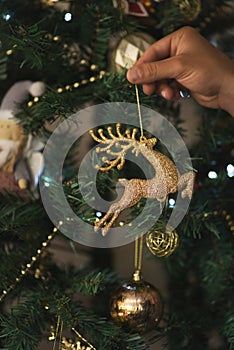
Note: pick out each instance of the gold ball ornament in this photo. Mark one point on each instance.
(189, 9)
(162, 244)
(136, 305)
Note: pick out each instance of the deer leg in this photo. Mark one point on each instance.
(106, 228)
(102, 221)
(112, 211)
(128, 199)
(187, 180)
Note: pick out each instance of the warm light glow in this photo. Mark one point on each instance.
(129, 305)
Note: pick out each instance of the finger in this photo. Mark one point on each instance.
(178, 89)
(163, 88)
(159, 50)
(153, 71)
(149, 89)
(170, 93)
(165, 91)
(158, 87)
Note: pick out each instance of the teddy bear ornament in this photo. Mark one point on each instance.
(21, 159)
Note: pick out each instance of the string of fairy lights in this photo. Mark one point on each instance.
(24, 270)
(70, 87)
(96, 73)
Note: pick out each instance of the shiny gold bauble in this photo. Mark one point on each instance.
(189, 9)
(162, 244)
(136, 305)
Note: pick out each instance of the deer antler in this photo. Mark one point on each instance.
(114, 142)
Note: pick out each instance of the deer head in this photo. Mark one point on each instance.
(123, 142)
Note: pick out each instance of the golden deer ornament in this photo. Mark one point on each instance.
(166, 179)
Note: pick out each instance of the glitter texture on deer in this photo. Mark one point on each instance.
(166, 179)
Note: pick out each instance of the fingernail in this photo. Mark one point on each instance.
(163, 93)
(133, 75)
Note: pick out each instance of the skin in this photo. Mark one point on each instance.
(184, 60)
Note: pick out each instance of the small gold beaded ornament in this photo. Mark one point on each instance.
(162, 244)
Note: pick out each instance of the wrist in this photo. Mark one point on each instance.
(226, 95)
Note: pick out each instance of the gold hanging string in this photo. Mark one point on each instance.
(139, 112)
(138, 258)
(83, 339)
(165, 213)
(58, 331)
(138, 245)
(60, 336)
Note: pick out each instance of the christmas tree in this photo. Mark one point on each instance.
(60, 57)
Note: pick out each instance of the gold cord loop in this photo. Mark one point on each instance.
(138, 258)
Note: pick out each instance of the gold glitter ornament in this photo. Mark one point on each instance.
(136, 305)
(189, 9)
(166, 179)
(162, 244)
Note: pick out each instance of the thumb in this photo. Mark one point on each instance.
(150, 72)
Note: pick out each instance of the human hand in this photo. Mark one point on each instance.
(184, 60)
